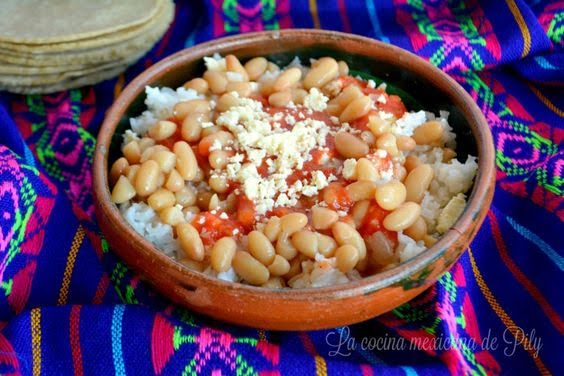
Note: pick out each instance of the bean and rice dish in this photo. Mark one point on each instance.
(294, 177)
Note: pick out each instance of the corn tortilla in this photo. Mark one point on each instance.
(70, 83)
(56, 21)
(162, 16)
(15, 70)
(114, 52)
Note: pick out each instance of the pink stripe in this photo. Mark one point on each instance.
(218, 24)
(283, 12)
(250, 18)
(366, 370)
(550, 312)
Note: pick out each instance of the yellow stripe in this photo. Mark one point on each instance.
(76, 242)
(522, 25)
(546, 101)
(314, 15)
(507, 321)
(320, 366)
(119, 85)
(36, 340)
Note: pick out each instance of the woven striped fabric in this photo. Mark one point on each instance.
(69, 306)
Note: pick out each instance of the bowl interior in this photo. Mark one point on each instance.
(422, 94)
(420, 85)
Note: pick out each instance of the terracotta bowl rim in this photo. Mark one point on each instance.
(477, 198)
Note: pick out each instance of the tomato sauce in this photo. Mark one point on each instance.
(242, 220)
(245, 212)
(212, 227)
(337, 198)
(372, 222)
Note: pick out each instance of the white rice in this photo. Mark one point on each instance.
(215, 63)
(430, 210)
(296, 63)
(449, 178)
(160, 102)
(408, 248)
(452, 178)
(146, 223)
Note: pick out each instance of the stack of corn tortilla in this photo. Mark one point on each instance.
(53, 45)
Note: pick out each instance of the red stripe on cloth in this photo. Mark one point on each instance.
(162, 343)
(101, 289)
(344, 18)
(521, 278)
(74, 338)
(308, 345)
(270, 352)
(8, 357)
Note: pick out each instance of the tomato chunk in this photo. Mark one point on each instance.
(336, 196)
(204, 146)
(246, 212)
(372, 223)
(393, 105)
(212, 227)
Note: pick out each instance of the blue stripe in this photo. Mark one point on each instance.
(536, 240)
(409, 371)
(191, 40)
(541, 60)
(375, 22)
(117, 350)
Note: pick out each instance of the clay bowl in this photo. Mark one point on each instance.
(309, 308)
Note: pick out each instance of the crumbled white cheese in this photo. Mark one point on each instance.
(385, 115)
(216, 145)
(315, 100)
(349, 169)
(282, 150)
(319, 179)
(408, 122)
(381, 153)
(318, 182)
(382, 99)
(371, 84)
(290, 120)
